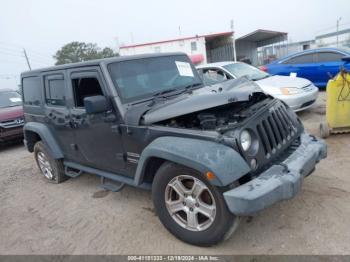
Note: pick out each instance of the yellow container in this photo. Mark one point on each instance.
(338, 105)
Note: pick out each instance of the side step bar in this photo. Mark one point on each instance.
(111, 187)
(72, 172)
(123, 180)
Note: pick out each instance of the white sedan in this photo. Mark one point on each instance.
(298, 93)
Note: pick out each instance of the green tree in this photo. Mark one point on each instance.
(79, 51)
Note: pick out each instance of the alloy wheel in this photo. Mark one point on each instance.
(190, 203)
(45, 166)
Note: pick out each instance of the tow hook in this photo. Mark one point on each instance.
(285, 167)
(314, 139)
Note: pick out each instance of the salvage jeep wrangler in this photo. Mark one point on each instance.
(210, 154)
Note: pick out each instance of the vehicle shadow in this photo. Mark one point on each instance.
(4, 146)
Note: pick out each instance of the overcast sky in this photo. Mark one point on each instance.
(43, 26)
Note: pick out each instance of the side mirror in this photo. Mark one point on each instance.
(346, 59)
(96, 104)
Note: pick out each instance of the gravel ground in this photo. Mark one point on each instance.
(77, 217)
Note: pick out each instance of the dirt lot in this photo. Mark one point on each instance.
(76, 217)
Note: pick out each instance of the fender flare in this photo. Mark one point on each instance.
(46, 136)
(201, 155)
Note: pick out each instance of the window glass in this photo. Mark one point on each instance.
(245, 70)
(142, 78)
(213, 76)
(193, 46)
(31, 91)
(10, 99)
(55, 90)
(302, 59)
(329, 56)
(85, 87)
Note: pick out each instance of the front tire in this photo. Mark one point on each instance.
(52, 169)
(190, 207)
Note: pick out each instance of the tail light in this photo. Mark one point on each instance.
(263, 68)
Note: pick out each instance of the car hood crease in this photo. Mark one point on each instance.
(202, 98)
(283, 81)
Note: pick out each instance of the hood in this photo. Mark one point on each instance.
(281, 81)
(203, 98)
(9, 113)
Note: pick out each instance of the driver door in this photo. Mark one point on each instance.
(96, 135)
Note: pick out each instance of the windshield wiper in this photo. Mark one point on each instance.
(180, 91)
(161, 95)
(165, 92)
(172, 90)
(189, 87)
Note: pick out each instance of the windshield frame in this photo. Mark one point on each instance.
(150, 96)
(264, 74)
(19, 103)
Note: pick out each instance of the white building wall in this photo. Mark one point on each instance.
(173, 46)
(343, 40)
(300, 46)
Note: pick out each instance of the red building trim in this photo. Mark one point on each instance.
(180, 39)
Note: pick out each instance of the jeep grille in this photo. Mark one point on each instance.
(276, 129)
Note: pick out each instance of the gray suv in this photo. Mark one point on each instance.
(210, 154)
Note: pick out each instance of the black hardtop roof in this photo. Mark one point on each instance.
(97, 62)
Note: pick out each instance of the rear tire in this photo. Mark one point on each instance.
(52, 169)
(175, 210)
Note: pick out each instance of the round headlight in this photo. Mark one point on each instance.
(246, 140)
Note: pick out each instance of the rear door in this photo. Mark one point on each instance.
(97, 137)
(303, 65)
(329, 64)
(56, 110)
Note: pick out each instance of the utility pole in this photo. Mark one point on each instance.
(338, 20)
(233, 41)
(27, 59)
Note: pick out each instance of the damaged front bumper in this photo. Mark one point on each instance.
(279, 182)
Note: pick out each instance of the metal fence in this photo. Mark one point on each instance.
(222, 53)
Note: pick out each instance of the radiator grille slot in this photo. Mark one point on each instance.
(275, 130)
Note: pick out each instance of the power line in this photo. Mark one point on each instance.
(39, 58)
(9, 77)
(13, 61)
(9, 49)
(331, 27)
(18, 48)
(10, 54)
(39, 54)
(7, 74)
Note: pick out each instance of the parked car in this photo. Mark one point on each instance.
(11, 115)
(209, 154)
(297, 92)
(317, 65)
